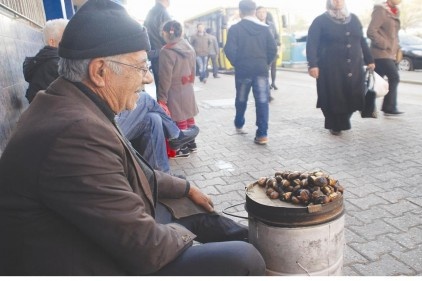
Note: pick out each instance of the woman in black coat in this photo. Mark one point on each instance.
(337, 51)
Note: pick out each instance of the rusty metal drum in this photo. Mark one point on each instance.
(295, 239)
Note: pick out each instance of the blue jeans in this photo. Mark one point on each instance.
(147, 127)
(261, 92)
(202, 62)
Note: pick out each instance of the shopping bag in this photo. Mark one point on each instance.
(380, 85)
(369, 109)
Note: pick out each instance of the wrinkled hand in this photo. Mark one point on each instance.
(201, 199)
(371, 66)
(164, 107)
(314, 72)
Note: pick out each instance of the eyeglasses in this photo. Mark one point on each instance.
(144, 70)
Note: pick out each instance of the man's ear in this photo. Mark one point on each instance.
(97, 72)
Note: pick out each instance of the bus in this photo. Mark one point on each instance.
(219, 20)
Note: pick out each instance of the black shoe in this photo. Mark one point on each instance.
(216, 76)
(182, 152)
(271, 98)
(192, 146)
(273, 86)
(335, 133)
(185, 136)
(392, 113)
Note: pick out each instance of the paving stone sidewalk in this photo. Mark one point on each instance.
(379, 162)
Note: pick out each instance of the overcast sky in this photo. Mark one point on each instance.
(182, 9)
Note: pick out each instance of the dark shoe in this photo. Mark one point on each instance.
(335, 133)
(271, 98)
(273, 86)
(392, 113)
(216, 76)
(185, 136)
(192, 146)
(182, 152)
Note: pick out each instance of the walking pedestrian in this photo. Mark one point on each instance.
(213, 52)
(383, 30)
(337, 51)
(201, 43)
(251, 48)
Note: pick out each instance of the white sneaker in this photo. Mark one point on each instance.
(241, 131)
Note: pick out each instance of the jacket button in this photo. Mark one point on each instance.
(347, 33)
(349, 60)
(350, 75)
(348, 46)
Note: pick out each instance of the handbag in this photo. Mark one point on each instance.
(380, 86)
(369, 108)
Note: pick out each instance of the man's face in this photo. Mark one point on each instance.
(261, 14)
(126, 85)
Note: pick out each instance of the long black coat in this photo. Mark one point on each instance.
(340, 51)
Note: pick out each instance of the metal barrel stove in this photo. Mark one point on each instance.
(294, 239)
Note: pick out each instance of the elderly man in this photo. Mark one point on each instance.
(74, 197)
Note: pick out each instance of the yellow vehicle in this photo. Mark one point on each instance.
(220, 20)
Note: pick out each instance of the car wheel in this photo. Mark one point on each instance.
(406, 64)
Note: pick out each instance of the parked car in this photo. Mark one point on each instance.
(411, 47)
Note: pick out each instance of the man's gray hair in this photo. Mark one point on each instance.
(53, 29)
(77, 70)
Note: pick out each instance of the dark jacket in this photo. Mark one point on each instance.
(340, 51)
(156, 17)
(383, 30)
(40, 71)
(74, 200)
(250, 48)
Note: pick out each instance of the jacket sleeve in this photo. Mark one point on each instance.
(312, 44)
(84, 182)
(377, 40)
(230, 49)
(165, 69)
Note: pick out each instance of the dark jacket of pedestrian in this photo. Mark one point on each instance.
(340, 51)
(248, 58)
(156, 17)
(40, 71)
(383, 31)
(177, 65)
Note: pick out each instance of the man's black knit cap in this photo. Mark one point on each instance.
(102, 28)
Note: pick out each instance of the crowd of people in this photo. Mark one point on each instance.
(85, 181)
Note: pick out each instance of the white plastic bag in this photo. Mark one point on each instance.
(380, 85)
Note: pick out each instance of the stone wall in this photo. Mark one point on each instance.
(18, 40)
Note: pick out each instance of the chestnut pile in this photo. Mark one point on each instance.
(307, 188)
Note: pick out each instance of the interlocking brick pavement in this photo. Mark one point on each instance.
(379, 162)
